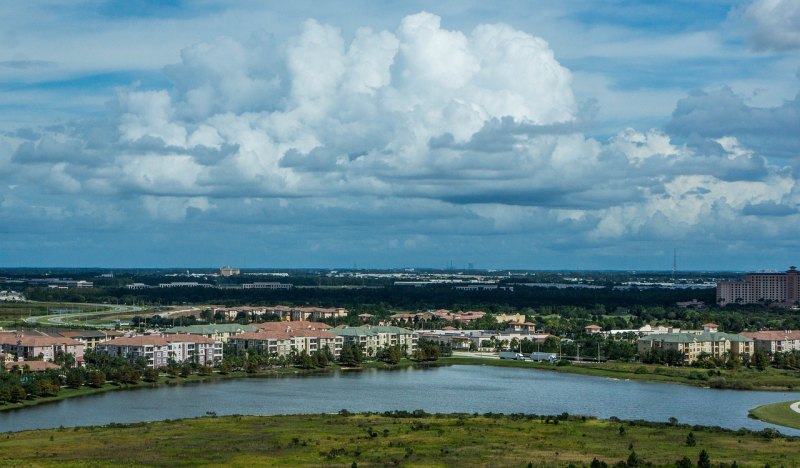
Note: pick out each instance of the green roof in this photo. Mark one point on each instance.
(358, 331)
(700, 337)
(211, 329)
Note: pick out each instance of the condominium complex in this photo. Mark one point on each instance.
(761, 288)
(25, 346)
(370, 338)
(775, 341)
(159, 349)
(281, 338)
(693, 344)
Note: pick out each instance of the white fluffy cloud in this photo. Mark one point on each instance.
(414, 132)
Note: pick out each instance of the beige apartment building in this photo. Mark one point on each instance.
(281, 338)
(692, 345)
(374, 338)
(775, 341)
(761, 287)
(36, 346)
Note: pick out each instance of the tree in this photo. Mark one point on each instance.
(346, 355)
(690, 441)
(151, 375)
(225, 367)
(684, 462)
(321, 359)
(703, 460)
(761, 360)
(97, 379)
(18, 393)
(633, 459)
(391, 355)
(65, 360)
(74, 378)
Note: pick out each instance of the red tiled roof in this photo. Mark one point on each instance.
(773, 335)
(710, 325)
(37, 340)
(294, 325)
(34, 366)
(187, 338)
(141, 340)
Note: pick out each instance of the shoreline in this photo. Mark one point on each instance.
(695, 377)
(782, 414)
(613, 371)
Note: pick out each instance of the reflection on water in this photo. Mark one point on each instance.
(466, 389)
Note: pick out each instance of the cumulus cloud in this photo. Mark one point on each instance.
(408, 134)
(774, 24)
(722, 113)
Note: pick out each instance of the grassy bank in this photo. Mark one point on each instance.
(741, 379)
(777, 413)
(746, 379)
(380, 440)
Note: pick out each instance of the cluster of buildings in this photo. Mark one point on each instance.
(440, 314)
(694, 344)
(484, 340)
(268, 285)
(282, 338)
(160, 349)
(11, 296)
(53, 283)
(281, 312)
(755, 288)
(200, 344)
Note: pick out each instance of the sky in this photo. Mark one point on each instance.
(507, 135)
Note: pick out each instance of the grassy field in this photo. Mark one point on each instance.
(375, 440)
(778, 413)
(15, 311)
(741, 379)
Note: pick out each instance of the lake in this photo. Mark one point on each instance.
(466, 389)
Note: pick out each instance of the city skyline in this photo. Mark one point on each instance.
(546, 136)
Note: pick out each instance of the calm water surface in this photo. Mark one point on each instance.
(465, 389)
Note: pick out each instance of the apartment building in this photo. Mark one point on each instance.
(775, 341)
(159, 349)
(692, 345)
(282, 338)
(24, 346)
(194, 348)
(761, 287)
(373, 338)
(218, 332)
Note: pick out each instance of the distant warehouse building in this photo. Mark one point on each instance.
(761, 288)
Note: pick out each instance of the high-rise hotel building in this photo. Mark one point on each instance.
(761, 287)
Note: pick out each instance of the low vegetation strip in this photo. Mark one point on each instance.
(778, 413)
(737, 379)
(397, 438)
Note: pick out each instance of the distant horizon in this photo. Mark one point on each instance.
(393, 269)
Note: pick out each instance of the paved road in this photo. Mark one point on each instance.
(476, 355)
(77, 318)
